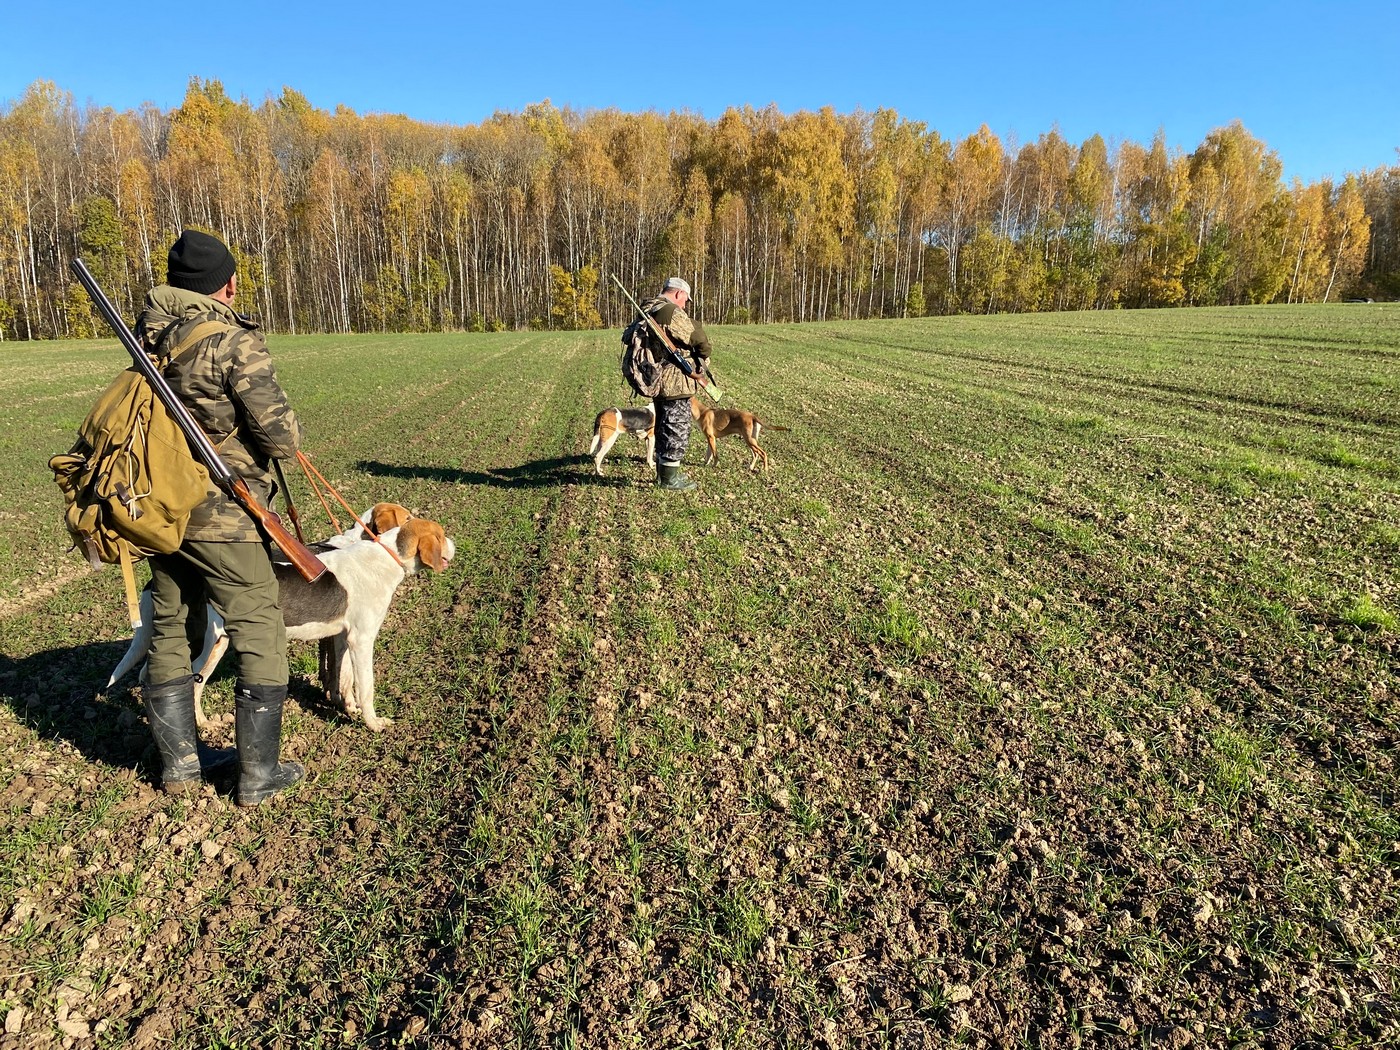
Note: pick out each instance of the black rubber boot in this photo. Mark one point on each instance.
(670, 478)
(257, 724)
(183, 759)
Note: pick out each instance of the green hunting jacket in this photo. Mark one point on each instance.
(227, 381)
(689, 338)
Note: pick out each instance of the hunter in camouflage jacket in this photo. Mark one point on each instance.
(689, 337)
(227, 381)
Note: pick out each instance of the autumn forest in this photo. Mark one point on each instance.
(348, 222)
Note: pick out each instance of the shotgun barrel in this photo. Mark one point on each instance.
(230, 483)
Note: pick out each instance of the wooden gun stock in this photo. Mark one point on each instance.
(296, 552)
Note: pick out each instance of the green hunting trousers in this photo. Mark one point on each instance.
(237, 579)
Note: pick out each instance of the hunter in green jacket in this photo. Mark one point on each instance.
(673, 402)
(226, 379)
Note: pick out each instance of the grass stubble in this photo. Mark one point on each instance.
(1042, 694)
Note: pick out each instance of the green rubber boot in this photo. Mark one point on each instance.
(257, 723)
(183, 759)
(670, 478)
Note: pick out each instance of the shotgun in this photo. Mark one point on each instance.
(680, 360)
(232, 485)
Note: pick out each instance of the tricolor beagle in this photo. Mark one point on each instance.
(716, 423)
(614, 422)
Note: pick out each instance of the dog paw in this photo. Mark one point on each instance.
(378, 725)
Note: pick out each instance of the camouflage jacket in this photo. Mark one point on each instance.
(230, 387)
(689, 338)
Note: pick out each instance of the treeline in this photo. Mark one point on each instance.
(345, 222)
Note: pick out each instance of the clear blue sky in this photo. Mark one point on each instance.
(1318, 82)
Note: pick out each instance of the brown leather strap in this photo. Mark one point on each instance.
(368, 526)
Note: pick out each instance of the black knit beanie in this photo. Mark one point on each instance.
(199, 263)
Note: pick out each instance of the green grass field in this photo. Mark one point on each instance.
(1043, 694)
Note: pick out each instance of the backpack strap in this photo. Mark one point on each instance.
(200, 331)
(133, 602)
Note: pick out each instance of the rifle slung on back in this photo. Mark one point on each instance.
(305, 561)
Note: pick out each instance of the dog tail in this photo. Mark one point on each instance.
(770, 426)
(140, 641)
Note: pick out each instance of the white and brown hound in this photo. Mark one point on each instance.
(343, 609)
(612, 423)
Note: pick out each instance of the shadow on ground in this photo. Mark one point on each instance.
(60, 694)
(539, 473)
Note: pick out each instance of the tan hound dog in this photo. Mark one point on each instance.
(716, 423)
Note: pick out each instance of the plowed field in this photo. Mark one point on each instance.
(1042, 693)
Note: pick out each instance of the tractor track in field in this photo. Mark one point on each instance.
(1103, 387)
(62, 577)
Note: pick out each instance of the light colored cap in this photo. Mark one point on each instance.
(676, 282)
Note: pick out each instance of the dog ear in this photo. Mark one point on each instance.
(388, 516)
(430, 550)
(425, 539)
